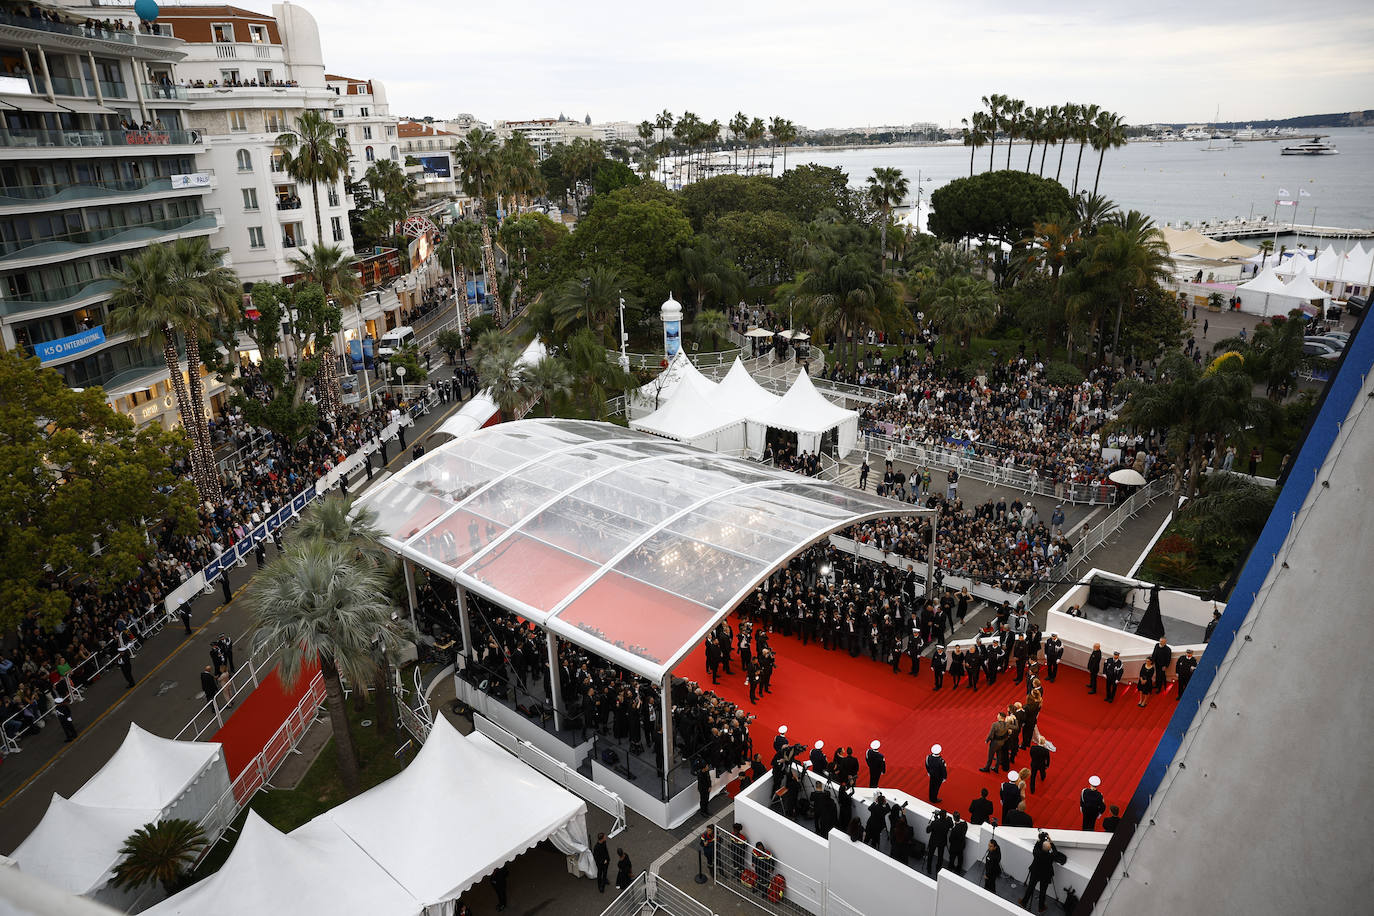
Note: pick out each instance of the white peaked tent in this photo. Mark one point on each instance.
(179, 778)
(804, 411)
(1302, 288)
(309, 871)
(739, 392)
(75, 846)
(1295, 265)
(1265, 295)
(692, 418)
(658, 392)
(457, 812)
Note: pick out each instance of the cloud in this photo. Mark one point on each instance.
(827, 64)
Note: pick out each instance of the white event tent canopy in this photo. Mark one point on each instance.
(461, 808)
(805, 411)
(1265, 295)
(76, 845)
(692, 417)
(664, 386)
(739, 391)
(1302, 288)
(411, 845)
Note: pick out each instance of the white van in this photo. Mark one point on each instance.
(395, 339)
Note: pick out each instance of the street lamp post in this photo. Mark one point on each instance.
(624, 339)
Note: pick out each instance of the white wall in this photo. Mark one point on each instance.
(957, 897)
(865, 879)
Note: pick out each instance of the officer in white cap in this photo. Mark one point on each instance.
(877, 764)
(937, 771)
(780, 740)
(818, 759)
(1010, 793)
(1091, 803)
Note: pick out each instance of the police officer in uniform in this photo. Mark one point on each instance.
(1113, 670)
(877, 764)
(937, 771)
(1091, 803)
(1054, 651)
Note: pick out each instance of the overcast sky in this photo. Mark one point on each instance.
(832, 64)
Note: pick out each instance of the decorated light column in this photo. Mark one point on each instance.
(671, 313)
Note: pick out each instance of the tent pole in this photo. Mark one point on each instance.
(665, 690)
(463, 621)
(410, 590)
(555, 680)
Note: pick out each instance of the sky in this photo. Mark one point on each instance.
(836, 64)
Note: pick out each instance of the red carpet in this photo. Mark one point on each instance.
(248, 729)
(825, 694)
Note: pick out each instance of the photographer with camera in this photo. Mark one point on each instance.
(1044, 857)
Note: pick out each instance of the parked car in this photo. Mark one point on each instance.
(1340, 337)
(1315, 346)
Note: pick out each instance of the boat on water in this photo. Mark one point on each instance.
(1314, 147)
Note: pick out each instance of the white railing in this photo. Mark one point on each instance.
(650, 893)
(245, 679)
(1027, 480)
(264, 766)
(556, 770)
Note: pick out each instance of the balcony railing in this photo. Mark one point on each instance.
(62, 28)
(114, 90)
(165, 91)
(39, 247)
(73, 138)
(57, 296)
(247, 50)
(65, 85)
(89, 189)
(293, 204)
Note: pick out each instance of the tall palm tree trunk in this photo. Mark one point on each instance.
(462, 294)
(1030, 153)
(198, 472)
(1061, 160)
(1077, 168)
(1044, 148)
(201, 433)
(319, 224)
(344, 748)
(1102, 153)
(992, 150)
(489, 259)
(971, 150)
(1009, 144)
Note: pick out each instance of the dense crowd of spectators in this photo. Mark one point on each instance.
(36, 664)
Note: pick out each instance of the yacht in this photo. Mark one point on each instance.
(1314, 147)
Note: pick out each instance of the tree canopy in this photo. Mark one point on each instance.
(1003, 205)
(76, 475)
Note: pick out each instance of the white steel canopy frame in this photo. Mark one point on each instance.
(623, 543)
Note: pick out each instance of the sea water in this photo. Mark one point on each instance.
(1172, 182)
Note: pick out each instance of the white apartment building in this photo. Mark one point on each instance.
(250, 76)
(97, 162)
(434, 149)
(364, 119)
(547, 132)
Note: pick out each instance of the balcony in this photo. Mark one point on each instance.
(61, 28)
(246, 50)
(21, 138)
(95, 190)
(291, 203)
(165, 91)
(17, 249)
(114, 90)
(56, 298)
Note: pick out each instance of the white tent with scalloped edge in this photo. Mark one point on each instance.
(805, 411)
(1265, 295)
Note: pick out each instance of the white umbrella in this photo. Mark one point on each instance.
(1127, 477)
(758, 332)
(796, 335)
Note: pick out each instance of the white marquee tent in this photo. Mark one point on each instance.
(658, 392)
(309, 871)
(459, 810)
(76, 845)
(1308, 293)
(804, 411)
(692, 418)
(1265, 295)
(738, 391)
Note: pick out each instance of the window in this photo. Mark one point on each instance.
(370, 155)
(255, 237)
(275, 119)
(238, 120)
(338, 113)
(257, 34)
(336, 225)
(391, 130)
(245, 160)
(250, 198)
(343, 133)
(229, 76)
(367, 133)
(395, 155)
(362, 112)
(264, 77)
(222, 32)
(333, 196)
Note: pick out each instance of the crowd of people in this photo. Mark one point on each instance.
(436, 298)
(622, 710)
(103, 628)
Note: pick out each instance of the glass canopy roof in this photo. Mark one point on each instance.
(621, 542)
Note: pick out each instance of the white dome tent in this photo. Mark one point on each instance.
(1265, 295)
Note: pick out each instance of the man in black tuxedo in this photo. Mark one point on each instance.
(1113, 671)
(1094, 666)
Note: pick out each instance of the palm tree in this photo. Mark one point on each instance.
(1231, 503)
(845, 295)
(738, 125)
(1091, 210)
(1067, 130)
(975, 137)
(518, 170)
(1083, 133)
(711, 326)
(1034, 130)
(993, 103)
(1109, 132)
(754, 133)
(1273, 355)
(785, 133)
(664, 123)
(461, 249)
(596, 375)
(706, 269)
(151, 300)
(547, 380)
(1267, 247)
(477, 164)
(1015, 124)
(499, 371)
(887, 187)
(337, 274)
(210, 287)
(1052, 131)
(162, 851)
(592, 300)
(964, 306)
(1126, 256)
(330, 609)
(313, 152)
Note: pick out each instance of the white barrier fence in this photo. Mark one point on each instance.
(556, 770)
(648, 893)
(980, 590)
(1027, 480)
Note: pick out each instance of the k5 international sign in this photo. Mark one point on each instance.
(193, 180)
(50, 350)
